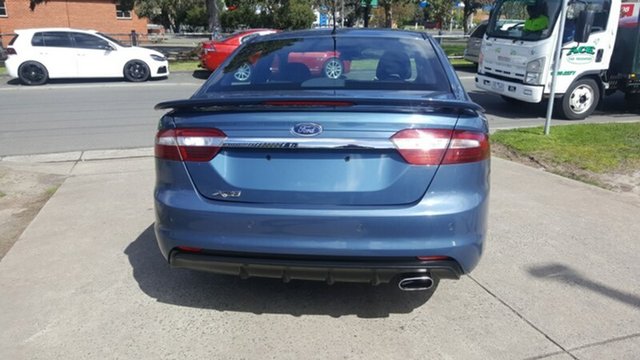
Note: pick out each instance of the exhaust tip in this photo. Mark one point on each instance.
(415, 283)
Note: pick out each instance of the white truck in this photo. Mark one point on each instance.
(600, 53)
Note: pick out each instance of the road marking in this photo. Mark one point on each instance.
(89, 86)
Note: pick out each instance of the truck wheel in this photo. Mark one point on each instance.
(580, 100)
(632, 101)
(33, 73)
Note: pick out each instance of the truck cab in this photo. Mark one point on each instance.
(516, 60)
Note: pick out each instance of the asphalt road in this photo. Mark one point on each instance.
(89, 115)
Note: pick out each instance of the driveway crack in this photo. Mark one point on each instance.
(533, 326)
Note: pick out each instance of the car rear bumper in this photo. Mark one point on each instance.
(12, 64)
(328, 269)
(451, 221)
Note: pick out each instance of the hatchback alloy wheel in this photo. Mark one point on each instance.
(33, 73)
(136, 71)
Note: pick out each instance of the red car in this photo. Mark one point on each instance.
(214, 52)
(325, 63)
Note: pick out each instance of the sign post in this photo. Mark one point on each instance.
(556, 67)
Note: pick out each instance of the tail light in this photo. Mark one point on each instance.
(434, 258)
(189, 144)
(189, 249)
(11, 51)
(208, 47)
(440, 146)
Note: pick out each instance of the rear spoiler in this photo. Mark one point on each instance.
(319, 103)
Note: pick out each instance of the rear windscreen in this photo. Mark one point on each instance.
(13, 40)
(327, 62)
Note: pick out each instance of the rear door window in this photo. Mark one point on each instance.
(52, 39)
(87, 41)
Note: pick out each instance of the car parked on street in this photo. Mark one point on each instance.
(326, 63)
(37, 55)
(215, 52)
(474, 43)
(378, 176)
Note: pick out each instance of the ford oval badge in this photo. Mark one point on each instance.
(306, 129)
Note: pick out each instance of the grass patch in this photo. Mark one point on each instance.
(3, 70)
(2, 194)
(454, 49)
(595, 148)
(52, 190)
(184, 66)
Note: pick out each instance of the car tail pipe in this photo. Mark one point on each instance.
(415, 282)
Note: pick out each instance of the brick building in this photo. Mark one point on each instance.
(102, 15)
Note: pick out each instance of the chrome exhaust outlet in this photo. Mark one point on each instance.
(415, 283)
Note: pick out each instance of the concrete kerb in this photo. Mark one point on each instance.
(78, 156)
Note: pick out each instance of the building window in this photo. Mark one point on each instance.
(122, 12)
(3, 8)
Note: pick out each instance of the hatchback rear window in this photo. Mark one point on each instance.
(479, 31)
(13, 40)
(326, 62)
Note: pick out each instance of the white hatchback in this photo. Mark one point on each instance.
(37, 55)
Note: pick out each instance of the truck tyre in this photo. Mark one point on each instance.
(33, 73)
(632, 101)
(580, 100)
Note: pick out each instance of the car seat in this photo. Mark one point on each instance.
(393, 66)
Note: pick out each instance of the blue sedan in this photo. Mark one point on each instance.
(379, 175)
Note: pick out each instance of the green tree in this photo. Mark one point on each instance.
(399, 13)
(441, 11)
(471, 7)
(197, 16)
(294, 14)
(389, 6)
(281, 14)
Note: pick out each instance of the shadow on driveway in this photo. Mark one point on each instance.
(259, 296)
(562, 273)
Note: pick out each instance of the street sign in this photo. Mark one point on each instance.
(374, 3)
(324, 19)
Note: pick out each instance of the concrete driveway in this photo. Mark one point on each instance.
(559, 280)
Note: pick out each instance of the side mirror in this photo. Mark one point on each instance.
(583, 25)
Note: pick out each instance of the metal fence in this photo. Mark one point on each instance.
(185, 46)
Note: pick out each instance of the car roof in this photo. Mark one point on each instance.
(34, 30)
(388, 33)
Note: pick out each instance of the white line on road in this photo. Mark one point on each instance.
(91, 86)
